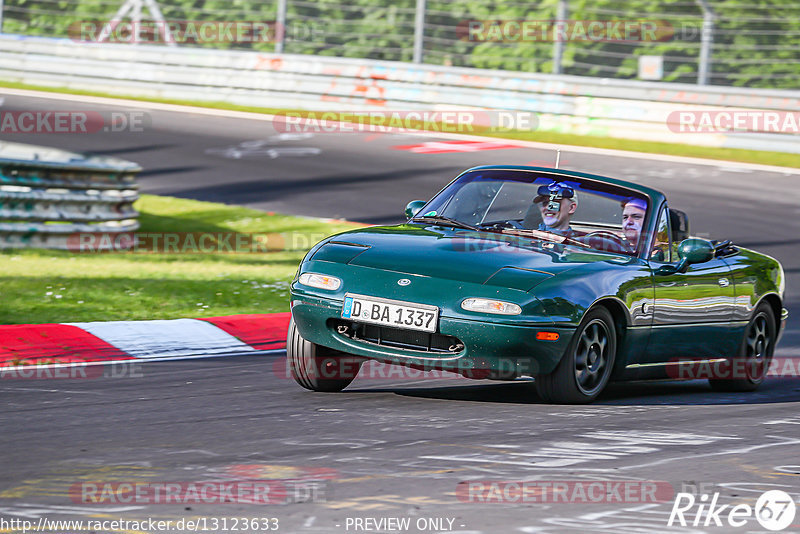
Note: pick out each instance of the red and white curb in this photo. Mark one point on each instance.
(112, 341)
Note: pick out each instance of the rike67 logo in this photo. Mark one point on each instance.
(774, 510)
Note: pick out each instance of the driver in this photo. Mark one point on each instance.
(633, 210)
(557, 203)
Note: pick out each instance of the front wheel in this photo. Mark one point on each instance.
(752, 362)
(316, 367)
(584, 370)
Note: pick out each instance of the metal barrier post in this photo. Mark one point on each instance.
(558, 45)
(280, 27)
(707, 39)
(419, 31)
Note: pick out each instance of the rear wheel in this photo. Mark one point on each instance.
(584, 370)
(316, 367)
(755, 353)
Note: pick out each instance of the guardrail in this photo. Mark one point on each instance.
(49, 196)
(569, 104)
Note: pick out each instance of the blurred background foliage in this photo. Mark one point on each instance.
(755, 43)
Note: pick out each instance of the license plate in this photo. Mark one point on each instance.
(392, 313)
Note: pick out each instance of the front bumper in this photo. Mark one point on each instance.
(490, 348)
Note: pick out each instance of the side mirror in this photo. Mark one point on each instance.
(694, 250)
(690, 251)
(413, 207)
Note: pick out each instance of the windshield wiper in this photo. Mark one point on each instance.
(444, 221)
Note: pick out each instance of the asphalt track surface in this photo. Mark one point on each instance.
(395, 447)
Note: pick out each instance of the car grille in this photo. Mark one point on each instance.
(401, 339)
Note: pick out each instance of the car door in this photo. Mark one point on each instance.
(692, 311)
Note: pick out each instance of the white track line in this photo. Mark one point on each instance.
(526, 144)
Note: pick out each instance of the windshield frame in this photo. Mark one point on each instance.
(654, 198)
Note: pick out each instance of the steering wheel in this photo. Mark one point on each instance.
(619, 242)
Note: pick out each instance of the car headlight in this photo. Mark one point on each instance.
(491, 306)
(320, 281)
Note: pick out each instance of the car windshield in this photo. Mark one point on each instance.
(544, 206)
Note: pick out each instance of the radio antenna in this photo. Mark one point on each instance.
(558, 157)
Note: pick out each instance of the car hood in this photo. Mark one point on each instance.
(455, 254)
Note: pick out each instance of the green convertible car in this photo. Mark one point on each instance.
(569, 278)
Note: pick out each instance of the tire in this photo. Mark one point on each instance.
(755, 353)
(316, 367)
(573, 381)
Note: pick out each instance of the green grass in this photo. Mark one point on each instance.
(41, 286)
(780, 159)
(675, 149)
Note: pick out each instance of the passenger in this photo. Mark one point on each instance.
(633, 211)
